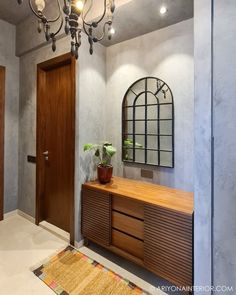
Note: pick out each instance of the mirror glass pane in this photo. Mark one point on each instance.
(140, 127)
(166, 111)
(166, 127)
(165, 159)
(152, 157)
(139, 156)
(130, 98)
(152, 112)
(152, 127)
(166, 143)
(140, 141)
(152, 142)
(139, 113)
(140, 100)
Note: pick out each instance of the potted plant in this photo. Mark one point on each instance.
(104, 153)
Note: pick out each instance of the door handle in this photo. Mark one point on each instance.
(46, 153)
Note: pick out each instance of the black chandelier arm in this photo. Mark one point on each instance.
(46, 29)
(34, 12)
(59, 15)
(83, 16)
(60, 27)
(66, 9)
(85, 29)
(104, 13)
(97, 39)
(41, 16)
(101, 18)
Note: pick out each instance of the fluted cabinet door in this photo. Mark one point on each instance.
(96, 217)
(168, 244)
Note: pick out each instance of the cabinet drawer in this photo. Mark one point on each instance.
(127, 244)
(127, 224)
(130, 207)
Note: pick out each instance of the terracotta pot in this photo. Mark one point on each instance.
(104, 173)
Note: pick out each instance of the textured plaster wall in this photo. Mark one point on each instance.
(90, 99)
(168, 55)
(225, 143)
(202, 143)
(11, 62)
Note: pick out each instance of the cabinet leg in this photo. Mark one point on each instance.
(86, 242)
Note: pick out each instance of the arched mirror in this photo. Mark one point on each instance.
(148, 123)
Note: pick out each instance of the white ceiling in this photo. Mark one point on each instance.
(139, 17)
(14, 13)
(132, 17)
(11, 12)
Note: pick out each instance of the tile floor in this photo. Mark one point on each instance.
(24, 246)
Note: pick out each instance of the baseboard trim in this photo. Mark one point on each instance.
(45, 225)
(9, 214)
(55, 231)
(26, 216)
(79, 244)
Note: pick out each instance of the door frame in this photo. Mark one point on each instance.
(2, 121)
(64, 59)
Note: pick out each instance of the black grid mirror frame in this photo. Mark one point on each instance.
(148, 123)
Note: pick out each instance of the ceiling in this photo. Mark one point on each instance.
(12, 13)
(132, 17)
(139, 17)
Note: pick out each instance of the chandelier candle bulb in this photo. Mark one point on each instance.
(40, 4)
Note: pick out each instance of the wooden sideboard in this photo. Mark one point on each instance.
(149, 224)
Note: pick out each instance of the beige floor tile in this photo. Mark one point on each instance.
(24, 246)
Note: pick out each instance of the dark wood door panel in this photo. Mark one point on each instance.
(2, 104)
(56, 142)
(96, 217)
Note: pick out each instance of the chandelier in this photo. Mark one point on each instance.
(76, 13)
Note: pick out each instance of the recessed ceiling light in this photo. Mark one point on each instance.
(112, 31)
(163, 10)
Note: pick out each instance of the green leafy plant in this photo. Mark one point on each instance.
(103, 152)
(128, 143)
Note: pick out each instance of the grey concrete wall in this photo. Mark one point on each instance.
(11, 62)
(224, 83)
(90, 100)
(202, 143)
(168, 55)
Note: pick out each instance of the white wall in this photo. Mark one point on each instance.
(11, 62)
(168, 55)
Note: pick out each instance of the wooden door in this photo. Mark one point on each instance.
(2, 100)
(56, 143)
